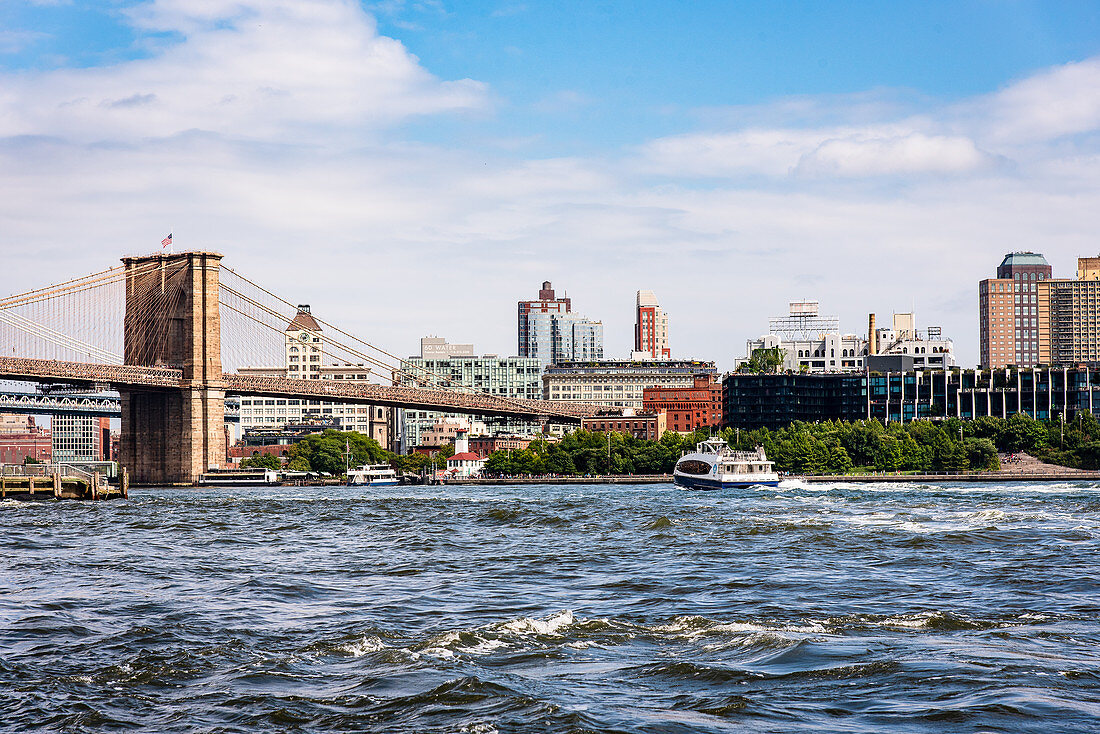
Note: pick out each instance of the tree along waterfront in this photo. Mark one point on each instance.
(830, 447)
(331, 451)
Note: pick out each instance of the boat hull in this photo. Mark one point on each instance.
(712, 482)
(379, 483)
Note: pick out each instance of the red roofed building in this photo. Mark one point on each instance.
(466, 464)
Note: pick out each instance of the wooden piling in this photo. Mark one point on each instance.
(124, 483)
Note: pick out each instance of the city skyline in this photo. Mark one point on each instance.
(457, 153)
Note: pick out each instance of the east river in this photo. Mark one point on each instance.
(860, 608)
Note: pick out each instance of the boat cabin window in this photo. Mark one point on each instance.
(693, 466)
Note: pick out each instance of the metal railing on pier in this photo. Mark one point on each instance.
(85, 472)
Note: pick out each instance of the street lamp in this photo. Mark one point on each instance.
(609, 453)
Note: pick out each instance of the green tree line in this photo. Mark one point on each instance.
(829, 447)
(328, 452)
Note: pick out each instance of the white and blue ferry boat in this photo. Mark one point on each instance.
(714, 465)
(373, 475)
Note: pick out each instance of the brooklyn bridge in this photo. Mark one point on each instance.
(159, 329)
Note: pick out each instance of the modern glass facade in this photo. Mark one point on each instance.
(510, 377)
(554, 337)
(78, 438)
(550, 332)
(775, 401)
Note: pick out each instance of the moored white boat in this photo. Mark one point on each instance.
(714, 465)
(254, 477)
(373, 475)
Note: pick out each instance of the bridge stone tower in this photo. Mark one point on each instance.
(172, 320)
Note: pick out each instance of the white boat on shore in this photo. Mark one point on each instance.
(245, 477)
(372, 475)
(714, 465)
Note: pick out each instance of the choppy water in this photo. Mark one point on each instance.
(547, 608)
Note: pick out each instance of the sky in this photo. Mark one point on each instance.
(417, 167)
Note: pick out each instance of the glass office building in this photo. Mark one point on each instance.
(563, 337)
(509, 377)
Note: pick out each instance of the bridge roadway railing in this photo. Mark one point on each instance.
(50, 370)
(20, 368)
(88, 405)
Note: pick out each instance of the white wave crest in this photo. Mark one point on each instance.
(359, 648)
(693, 627)
(483, 640)
(552, 625)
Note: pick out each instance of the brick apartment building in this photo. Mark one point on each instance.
(687, 408)
(483, 446)
(648, 426)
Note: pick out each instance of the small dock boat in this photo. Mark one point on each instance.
(372, 475)
(247, 477)
(714, 465)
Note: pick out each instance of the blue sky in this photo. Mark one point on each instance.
(729, 156)
(585, 75)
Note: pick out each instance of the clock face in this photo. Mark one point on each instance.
(304, 336)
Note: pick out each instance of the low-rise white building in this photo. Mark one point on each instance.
(304, 355)
(464, 463)
(618, 383)
(836, 352)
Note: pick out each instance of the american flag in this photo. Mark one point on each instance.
(166, 241)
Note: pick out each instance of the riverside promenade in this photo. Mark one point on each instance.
(610, 479)
(1014, 468)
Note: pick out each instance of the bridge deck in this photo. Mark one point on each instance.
(167, 378)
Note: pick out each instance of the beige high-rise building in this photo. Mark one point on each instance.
(1069, 317)
(1008, 311)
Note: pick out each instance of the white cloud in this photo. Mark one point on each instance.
(843, 152)
(251, 133)
(770, 152)
(1064, 100)
(15, 41)
(951, 139)
(268, 70)
(914, 153)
